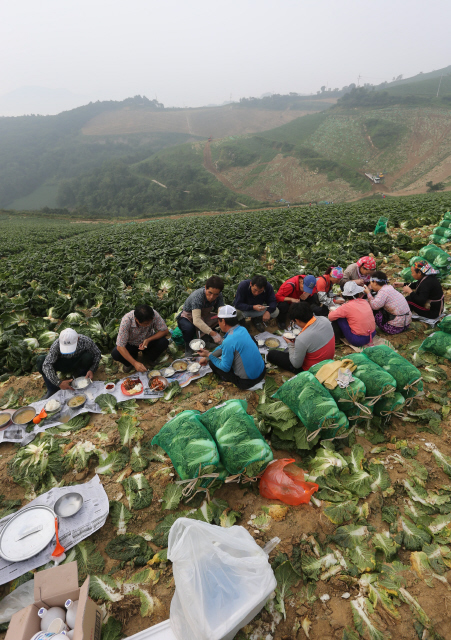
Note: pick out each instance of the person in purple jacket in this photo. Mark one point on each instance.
(256, 299)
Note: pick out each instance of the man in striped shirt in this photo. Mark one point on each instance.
(140, 330)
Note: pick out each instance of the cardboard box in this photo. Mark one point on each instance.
(52, 588)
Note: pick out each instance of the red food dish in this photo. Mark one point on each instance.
(130, 383)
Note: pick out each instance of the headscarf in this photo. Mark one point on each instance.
(336, 272)
(366, 262)
(426, 268)
(379, 280)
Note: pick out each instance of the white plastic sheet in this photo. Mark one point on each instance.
(221, 576)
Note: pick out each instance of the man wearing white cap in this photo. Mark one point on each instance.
(71, 353)
(238, 359)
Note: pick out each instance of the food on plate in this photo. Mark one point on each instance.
(289, 335)
(154, 373)
(157, 384)
(82, 384)
(25, 416)
(76, 401)
(180, 365)
(272, 343)
(261, 343)
(133, 385)
(110, 386)
(167, 373)
(197, 344)
(52, 405)
(194, 367)
(296, 331)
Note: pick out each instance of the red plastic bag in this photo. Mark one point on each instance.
(280, 482)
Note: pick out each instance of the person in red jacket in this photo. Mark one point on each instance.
(300, 287)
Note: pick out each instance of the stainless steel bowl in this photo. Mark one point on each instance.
(68, 505)
(184, 366)
(75, 384)
(197, 340)
(163, 380)
(78, 406)
(5, 419)
(19, 412)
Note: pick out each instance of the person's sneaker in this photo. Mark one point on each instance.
(259, 327)
(188, 352)
(281, 325)
(127, 369)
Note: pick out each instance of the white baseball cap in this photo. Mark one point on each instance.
(68, 341)
(351, 288)
(227, 311)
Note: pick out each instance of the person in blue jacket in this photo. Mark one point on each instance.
(256, 299)
(238, 359)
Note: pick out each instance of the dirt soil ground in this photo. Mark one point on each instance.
(328, 619)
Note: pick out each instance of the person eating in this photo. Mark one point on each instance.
(255, 299)
(391, 310)
(425, 296)
(141, 331)
(353, 320)
(71, 353)
(199, 313)
(359, 272)
(238, 359)
(315, 342)
(299, 287)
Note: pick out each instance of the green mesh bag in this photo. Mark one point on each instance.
(447, 216)
(442, 231)
(446, 223)
(311, 402)
(415, 259)
(189, 445)
(241, 446)
(438, 343)
(406, 275)
(340, 431)
(386, 406)
(407, 376)
(377, 381)
(347, 398)
(445, 324)
(435, 255)
(381, 226)
(439, 239)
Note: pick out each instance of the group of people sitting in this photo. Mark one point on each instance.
(320, 316)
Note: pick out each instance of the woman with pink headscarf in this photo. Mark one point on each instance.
(325, 283)
(359, 272)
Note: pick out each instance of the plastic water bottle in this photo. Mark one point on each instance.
(43, 635)
(48, 615)
(57, 626)
(71, 613)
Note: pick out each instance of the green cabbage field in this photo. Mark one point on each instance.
(370, 556)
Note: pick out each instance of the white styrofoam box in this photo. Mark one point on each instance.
(160, 631)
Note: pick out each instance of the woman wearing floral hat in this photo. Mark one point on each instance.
(325, 283)
(391, 309)
(425, 296)
(359, 272)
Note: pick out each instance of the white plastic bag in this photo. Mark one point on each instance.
(222, 579)
(16, 600)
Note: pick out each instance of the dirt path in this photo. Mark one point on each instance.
(210, 167)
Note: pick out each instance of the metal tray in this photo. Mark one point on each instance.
(27, 533)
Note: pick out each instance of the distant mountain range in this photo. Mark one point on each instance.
(39, 100)
(113, 157)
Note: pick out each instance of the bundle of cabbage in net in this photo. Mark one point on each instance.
(407, 376)
(387, 405)
(445, 324)
(242, 448)
(435, 256)
(438, 343)
(192, 450)
(349, 397)
(377, 381)
(314, 406)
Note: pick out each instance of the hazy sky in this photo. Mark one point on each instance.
(194, 52)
